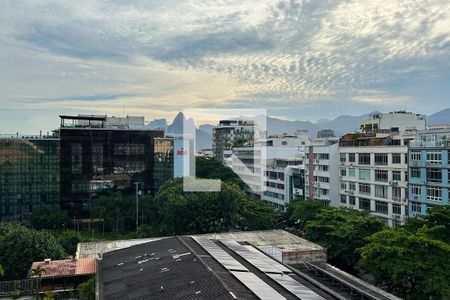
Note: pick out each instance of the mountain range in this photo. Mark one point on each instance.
(341, 125)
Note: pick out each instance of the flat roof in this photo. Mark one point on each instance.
(84, 117)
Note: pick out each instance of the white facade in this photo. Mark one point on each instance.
(321, 171)
(402, 121)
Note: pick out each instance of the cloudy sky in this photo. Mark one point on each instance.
(300, 59)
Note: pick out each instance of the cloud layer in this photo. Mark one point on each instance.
(297, 58)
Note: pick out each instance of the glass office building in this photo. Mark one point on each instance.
(29, 175)
(98, 156)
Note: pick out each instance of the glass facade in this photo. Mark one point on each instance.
(99, 160)
(29, 176)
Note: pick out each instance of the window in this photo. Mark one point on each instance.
(397, 175)
(343, 185)
(364, 174)
(351, 157)
(343, 199)
(76, 158)
(415, 190)
(381, 207)
(283, 143)
(434, 175)
(381, 191)
(352, 173)
(364, 158)
(396, 209)
(381, 159)
(396, 193)
(434, 157)
(415, 173)
(396, 158)
(434, 193)
(343, 172)
(415, 207)
(352, 186)
(364, 189)
(381, 175)
(351, 200)
(343, 157)
(415, 155)
(364, 203)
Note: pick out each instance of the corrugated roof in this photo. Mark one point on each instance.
(66, 267)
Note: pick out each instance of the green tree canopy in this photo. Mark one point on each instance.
(46, 216)
(342, 231)
(299, 211)
(254, 214)
(411, 265)
(20, 246)
(212, 169)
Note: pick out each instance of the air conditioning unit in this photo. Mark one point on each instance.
(415, 163)
(351, 192)
(395, 183)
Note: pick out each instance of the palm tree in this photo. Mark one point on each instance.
(37, 272)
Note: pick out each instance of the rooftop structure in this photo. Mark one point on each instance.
(241, 265)
(102, 121)
(65, 267)
(96, 249)
(397, 120)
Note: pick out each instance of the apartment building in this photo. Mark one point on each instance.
(395, 121)
(229, 134)
(321, 171)
(429, 169)
(373, 173)
(272, 169)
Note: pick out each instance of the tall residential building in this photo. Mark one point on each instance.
(29, 175)
(395, 121)
(100, 154)
(373, 173)
(429, 170)
(229, 134)
(174, 157)
(321, 171)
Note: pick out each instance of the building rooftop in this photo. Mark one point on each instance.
(66, 267)
(94, 249)
(238, 265)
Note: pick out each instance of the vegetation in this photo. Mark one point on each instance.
(213, 169)
(46, 216)
(411, 265)
(20, 246)
(86, 290)
(200, 212)
(299, 212)
(342, 231)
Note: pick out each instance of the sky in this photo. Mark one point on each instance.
(299, 59)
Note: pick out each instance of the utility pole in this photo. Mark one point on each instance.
(136, 184)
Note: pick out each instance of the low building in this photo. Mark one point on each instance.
(325, 134)
(63, 275)
(395, 121)
(429, 171)
(237, 265)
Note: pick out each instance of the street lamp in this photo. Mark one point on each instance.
(137, 203)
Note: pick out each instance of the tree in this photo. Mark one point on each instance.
(436, 224)
(255, 214)
(2, 272)
(86, 290)
(20, 246)
(196, 212)
(212, 169)
(46, 216)
(411, 265)
(342, 231)
(299, 211)
(69, 240)
(36, 273)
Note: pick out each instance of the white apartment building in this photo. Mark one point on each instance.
(321, 171)
(373, 173)
(396, 121)
(272, 169)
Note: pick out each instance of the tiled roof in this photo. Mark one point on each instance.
(66, 267)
